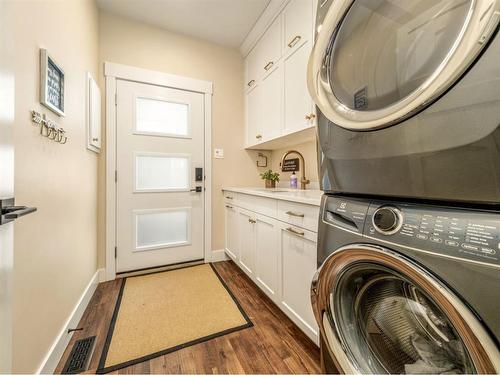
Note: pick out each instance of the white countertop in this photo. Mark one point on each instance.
(312, 197)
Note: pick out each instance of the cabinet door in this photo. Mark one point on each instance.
(253, 113)
(298, 265)
(231, 232)
(267, 255)
(298, 20)
(271, 105)
(251, 69)
(269, 47)
(299, 111)
(246, 228)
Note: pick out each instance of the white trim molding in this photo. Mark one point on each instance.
(56, 351)
(219, 256)
(132, 73)
(114, 72)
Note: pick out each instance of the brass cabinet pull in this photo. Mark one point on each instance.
(310, 116)
(294, 41)
(251, 83)
(251, 221)
(291, 230)
(291, 213)
(269, 65)
(228, 206)
(229, 197)
(258, 136)
(95, 139)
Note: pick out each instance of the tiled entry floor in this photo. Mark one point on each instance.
(273, 345)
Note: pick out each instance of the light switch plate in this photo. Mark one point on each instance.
(219, 153)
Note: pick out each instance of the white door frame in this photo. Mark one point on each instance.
(113, 72)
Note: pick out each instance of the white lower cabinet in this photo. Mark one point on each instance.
(231, 232)
(277, 254)
(298, 265)
(267, 255)
(246, 229)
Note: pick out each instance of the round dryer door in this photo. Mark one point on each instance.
(381, 313)
(377, 62)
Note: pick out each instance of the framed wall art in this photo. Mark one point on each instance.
(51, 83)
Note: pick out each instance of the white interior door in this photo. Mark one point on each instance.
(159, 145)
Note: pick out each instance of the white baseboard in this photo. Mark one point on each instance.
(219, 255)
(61, 342)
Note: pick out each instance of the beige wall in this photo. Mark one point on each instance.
(132, 43)
(55, 248)
(308, 149)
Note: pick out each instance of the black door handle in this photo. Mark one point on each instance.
(197, 189)
(12, 213)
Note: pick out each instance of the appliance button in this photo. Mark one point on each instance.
(467, 246)
(451, 243)
(421, 236)
(436, 239)
(488, 251)
(387, 220)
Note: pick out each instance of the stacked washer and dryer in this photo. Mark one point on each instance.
(408, 97)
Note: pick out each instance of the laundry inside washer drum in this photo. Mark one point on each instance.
(397, 328)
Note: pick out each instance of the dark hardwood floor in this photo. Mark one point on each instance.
(273, 345)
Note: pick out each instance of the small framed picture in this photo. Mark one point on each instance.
(51, 83)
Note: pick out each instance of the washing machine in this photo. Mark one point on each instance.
(408, 98)
(407, 288)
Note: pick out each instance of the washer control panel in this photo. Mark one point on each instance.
(461, 233)
(473, 235)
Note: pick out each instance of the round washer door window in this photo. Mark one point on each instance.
(392, 326)
(377, 62)
(380, 312)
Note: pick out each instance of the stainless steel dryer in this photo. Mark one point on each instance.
(406, 288)
(408, 94)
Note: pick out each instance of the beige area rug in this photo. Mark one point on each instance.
(159, 313)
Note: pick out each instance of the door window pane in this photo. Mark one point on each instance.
(386, 49)
(162, 229)
(162, 172)
(161, 117)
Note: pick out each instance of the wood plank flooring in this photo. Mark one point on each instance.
(273, 345)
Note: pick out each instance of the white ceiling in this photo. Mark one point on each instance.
(225, 22)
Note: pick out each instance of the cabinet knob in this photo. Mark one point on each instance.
(269, 65)
(95, 139)
(294, 41)
(251, 83)
(258, 136)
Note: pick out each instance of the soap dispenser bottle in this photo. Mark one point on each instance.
(293, 181)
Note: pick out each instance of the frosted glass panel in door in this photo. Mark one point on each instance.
(162, 172)
(161, 117)
(161, 228)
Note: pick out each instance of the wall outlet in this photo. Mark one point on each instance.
(219, 153)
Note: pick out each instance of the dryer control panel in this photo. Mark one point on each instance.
(460, 233)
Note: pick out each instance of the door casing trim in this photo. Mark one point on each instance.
(112, 73)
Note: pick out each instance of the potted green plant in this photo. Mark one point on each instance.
(271, 178)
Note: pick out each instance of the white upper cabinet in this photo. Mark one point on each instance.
(299, 107)
(278, 106)
(269, 47)
(298, 22)
(253, 112)
(271, 105)
(251, 69)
